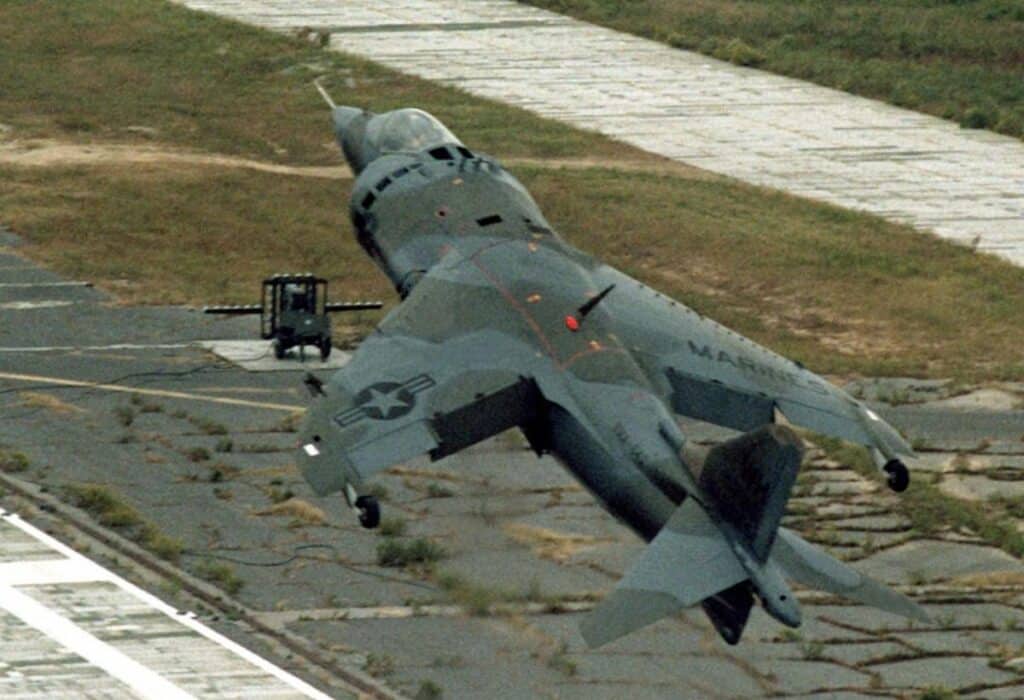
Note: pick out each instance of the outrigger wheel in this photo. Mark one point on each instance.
(897, 475)
(279, 350)
(325, 348)
(369, 511)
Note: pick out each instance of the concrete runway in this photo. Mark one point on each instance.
(202, 449)
(71, 628)
(964, 185)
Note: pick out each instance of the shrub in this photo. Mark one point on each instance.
(13, 462)
(742, 54)
(394, 553)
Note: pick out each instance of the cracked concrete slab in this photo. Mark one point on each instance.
(938, 560)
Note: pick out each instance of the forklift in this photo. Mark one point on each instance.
(294, 312)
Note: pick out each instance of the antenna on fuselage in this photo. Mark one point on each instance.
(589, 306)
(324, 94)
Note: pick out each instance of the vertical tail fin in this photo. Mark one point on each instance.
(747, 481)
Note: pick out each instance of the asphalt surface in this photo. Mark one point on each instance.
(516, 531)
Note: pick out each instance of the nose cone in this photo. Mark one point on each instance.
(343, 117)
(350, 131)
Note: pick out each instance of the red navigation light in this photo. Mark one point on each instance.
(572, 324)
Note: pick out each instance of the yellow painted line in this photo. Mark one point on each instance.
(57, 381)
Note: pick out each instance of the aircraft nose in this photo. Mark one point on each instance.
(343, 117)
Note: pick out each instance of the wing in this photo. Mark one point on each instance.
(430, 380)
(711, 373)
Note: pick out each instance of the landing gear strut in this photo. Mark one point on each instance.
(366, 507)
(896, 475)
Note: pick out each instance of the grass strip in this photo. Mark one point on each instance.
(931, 511)
(957, 60)
(111, 511)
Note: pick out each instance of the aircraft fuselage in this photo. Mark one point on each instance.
(411, 211)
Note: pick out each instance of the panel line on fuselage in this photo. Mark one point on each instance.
(531, 321)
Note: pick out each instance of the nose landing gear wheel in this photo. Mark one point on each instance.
(369, 511)
(896, 475)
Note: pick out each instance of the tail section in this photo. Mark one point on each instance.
(723, 546)
(747, 482)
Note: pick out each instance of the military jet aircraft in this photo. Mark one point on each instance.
(503, 324)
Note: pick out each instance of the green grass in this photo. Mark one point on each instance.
(480, 600)
(13, 462)
(400, 554)
(929, 509)
(958, 59)
(221, 575)
(392, 527)
(111, 511)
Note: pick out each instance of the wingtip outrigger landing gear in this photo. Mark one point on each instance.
(367, 508)
(897, 476)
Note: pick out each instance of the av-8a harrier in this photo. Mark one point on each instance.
(503, 324)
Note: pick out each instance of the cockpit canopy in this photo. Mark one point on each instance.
(407, 131)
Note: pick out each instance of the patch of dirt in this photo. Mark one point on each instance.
(42, 153)
(36, 399)
(49, 153)
(297, 508)
(549, 544)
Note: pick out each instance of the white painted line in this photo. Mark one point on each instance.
(86, 348)
(97, 652)
(258, 356)
(43, 620)
(32, 305)
(57, 381)
(48, 571)
(27, 285)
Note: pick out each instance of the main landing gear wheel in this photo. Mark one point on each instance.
(325, 349)
(279, 350)
(369, 511)
(896, 475)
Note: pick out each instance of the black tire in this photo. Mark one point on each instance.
(279, 349)
(325, 349)
(897, 475)
(369, 511)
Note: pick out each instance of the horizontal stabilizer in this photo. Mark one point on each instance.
(810, 566)
(687, 562)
